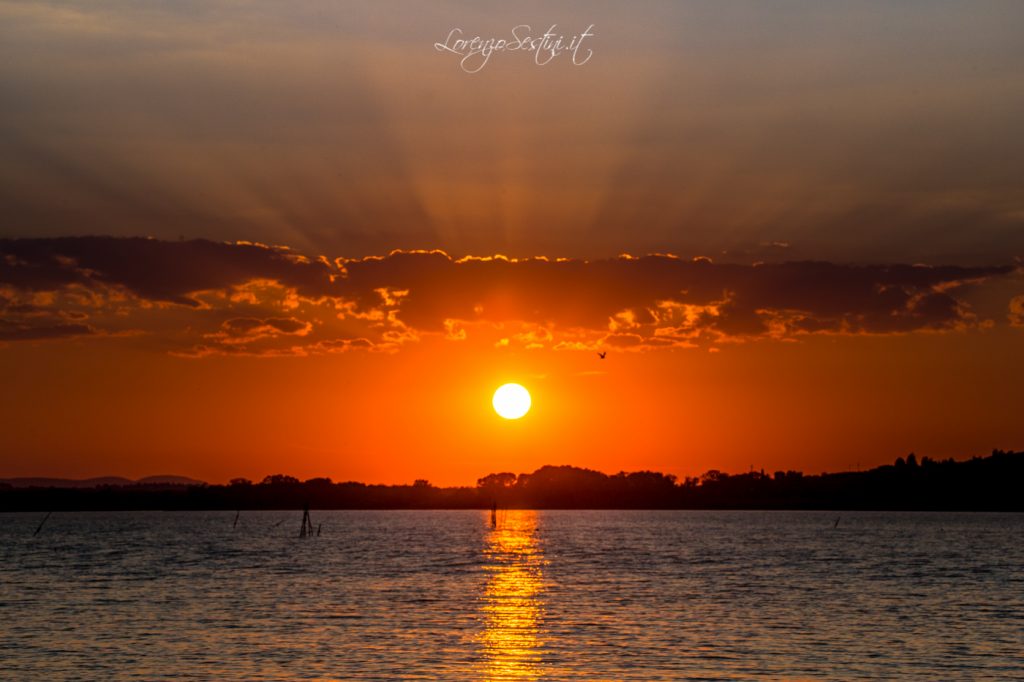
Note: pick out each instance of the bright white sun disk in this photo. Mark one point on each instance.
(511, 401)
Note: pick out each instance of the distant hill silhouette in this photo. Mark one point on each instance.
(982, 483)
(38, 482)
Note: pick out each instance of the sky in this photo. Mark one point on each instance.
(247, 238)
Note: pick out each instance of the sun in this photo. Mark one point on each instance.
(511, 401)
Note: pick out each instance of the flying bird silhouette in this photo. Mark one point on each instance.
(602, 353)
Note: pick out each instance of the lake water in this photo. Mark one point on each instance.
(587, 595)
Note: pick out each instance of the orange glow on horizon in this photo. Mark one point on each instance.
(426, 411)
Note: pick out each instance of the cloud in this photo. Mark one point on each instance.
(154, 270)
(271, 300)
(14, 332)
(240, 330)
(1016, 315)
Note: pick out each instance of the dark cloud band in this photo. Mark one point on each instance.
(243, 291)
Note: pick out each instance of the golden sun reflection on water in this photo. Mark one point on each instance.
(512, 603)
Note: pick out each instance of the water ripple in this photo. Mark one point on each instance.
(544, 595)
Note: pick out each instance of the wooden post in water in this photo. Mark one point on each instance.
(41, 523)
(307, 524)
(237, 514)
(494, 514)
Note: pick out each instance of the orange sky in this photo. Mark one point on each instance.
(302, 203)
(173, 388)
(427, 413)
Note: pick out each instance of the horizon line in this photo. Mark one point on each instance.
(765, 471)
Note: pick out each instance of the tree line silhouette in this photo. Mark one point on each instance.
(983, 483)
